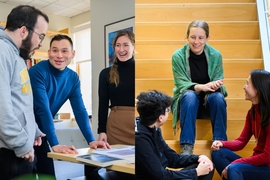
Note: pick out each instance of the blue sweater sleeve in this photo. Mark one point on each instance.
(80, 113)
(42, 109)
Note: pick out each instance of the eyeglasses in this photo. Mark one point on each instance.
(41, 36)
(168, 109)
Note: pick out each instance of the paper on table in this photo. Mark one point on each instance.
(131, 160)
(119, 152)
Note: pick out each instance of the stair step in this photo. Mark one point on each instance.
(242, 49)
(218, 30)
(236, 110)
(187, 12)
(203, 147)
(152, 68)
(234, 86)
(232, 67)
(204, 129)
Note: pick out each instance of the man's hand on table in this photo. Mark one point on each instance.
(99, 144)
(65, 149)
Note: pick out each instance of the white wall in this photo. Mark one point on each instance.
(78, 23)
(4, 11)
(103, 12)
(56, 22)
(80, 19)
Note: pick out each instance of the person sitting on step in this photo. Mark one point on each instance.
(152, 154)
(198, 77)
(230, 165)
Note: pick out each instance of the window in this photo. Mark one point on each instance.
(82, 65)
(82, 46)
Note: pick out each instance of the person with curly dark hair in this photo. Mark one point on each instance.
(152, 155)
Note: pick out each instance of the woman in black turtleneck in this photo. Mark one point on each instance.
(117, 92)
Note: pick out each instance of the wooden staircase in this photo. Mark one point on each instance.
(160, 28)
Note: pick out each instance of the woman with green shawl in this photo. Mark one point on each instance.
(198, 77)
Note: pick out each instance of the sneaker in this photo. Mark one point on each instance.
(186, 149)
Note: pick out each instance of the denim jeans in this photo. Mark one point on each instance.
(239, 171)
(189, 105)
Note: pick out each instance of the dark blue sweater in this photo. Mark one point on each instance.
(51, 89)
(153, 155)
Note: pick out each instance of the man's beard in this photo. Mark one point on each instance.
(25, 48)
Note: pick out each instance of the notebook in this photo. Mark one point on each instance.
(99, 160)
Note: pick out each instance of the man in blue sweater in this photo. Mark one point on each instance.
(53, 83)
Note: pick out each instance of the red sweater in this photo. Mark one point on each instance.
(261, 153)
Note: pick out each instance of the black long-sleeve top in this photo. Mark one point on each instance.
(153, 155)
(110, 95)
(199, 70)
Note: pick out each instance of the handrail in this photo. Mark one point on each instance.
(264, 32)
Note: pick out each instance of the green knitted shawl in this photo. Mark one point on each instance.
(182, 77)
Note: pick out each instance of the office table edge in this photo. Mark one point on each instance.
(127, 168)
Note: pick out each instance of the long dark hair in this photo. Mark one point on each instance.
(261, 82)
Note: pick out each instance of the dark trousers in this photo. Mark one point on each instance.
(44, 164)
(11, 166)
(91, 173)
